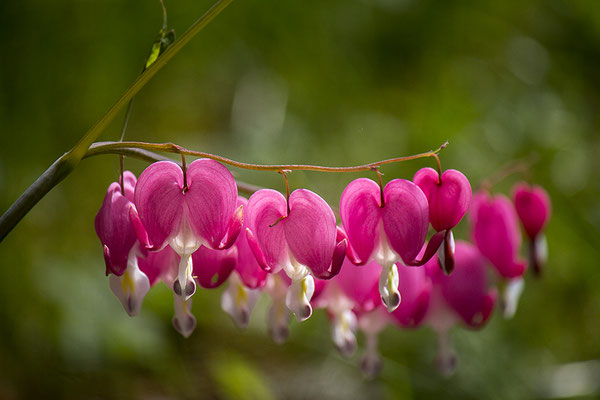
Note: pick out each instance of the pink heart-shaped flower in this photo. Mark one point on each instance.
(533, 207)
(448, 200)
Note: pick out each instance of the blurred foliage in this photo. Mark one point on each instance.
(339, 82)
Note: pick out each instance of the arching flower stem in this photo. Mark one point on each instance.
(118, 147)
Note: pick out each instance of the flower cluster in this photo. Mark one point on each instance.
(188, 227)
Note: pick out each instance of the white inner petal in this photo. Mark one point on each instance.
(510, 296)
(131, 287)
(238, 300)
(388, 287)
(298, 296)
(383, 254)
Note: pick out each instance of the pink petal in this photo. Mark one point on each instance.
(211, 201)
(533, 207)
(251, 274)
(310, 231)
(233, 229)
(114, 229)
(129, 185)
(213, 267)
(138, 227)
(160, 266)
(415, 291)
(448, 201)
(360, 213)
(263, 216)
(466, 289)
(361, 284)
(496, 233)
(159, 201)
(429, 251)
(339, 255)
(405, 218)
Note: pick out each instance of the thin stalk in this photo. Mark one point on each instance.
(116, 147)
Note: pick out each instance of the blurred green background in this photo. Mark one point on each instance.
(335, 82)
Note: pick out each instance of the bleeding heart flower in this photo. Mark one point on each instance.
(121, 248)
(302, 242)
(532, 204)
(463, 297)
(466, 291)
(353, 290)
(387, 227)
(245, 282)
(187, 215)
(496, 233)
(415, 288)
(449, 199)
(211, 268)
(162, 266)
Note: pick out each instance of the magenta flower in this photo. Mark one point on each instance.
(187, 215)
(113, 226)
(464, 296)
(415, 288)
(387, 232)
(245, 282)
(533, 208)
(449, 199)
(213, 267)
(303, 242)
(120, 245)
(162, 266)
(496, 233)
(354, 289)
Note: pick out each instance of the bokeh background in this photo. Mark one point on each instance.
(335, 82)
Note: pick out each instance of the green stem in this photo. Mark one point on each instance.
(117, 147)
(68, 161)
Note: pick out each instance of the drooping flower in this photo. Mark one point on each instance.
(415, 288)
(532, 204)
(449, 198)
(301, 242)
(353, 290)
(187, 215)
(462, 297)
(372, 323)
(276, 287)
(387, 227)
(120, 245)
(162, 266)
(246, 281)
(496, 233)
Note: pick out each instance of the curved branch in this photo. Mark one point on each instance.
(114, 147)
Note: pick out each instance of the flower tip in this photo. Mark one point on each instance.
(347, 347)
(279, 334)
(107, 261)
(446, 363)
(257, 251)
(233, 229)
(392, 301)
(371, 366)
(187, 292)
(185, 326)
